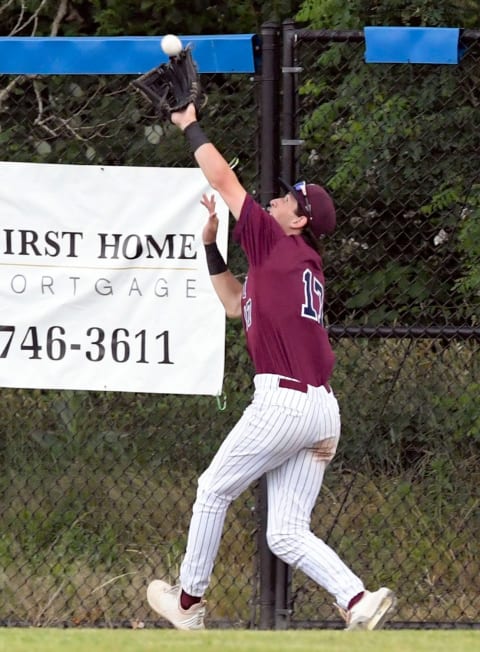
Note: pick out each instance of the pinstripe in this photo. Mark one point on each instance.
(274, 436)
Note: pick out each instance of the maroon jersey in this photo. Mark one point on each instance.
(282, 301)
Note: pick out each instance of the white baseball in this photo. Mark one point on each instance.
(171, 45)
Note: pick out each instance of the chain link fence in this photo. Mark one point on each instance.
(96, 488)
(396, 144)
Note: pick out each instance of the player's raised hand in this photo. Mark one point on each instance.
(185, 117)
(209, 233)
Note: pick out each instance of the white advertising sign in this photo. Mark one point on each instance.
(103, 280)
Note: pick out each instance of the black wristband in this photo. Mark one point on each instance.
(215, 262)
(195, 136)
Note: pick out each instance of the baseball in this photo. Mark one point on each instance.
(171, 45)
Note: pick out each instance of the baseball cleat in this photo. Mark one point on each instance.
(165, 600)
(372, 610)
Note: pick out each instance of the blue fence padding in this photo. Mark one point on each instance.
(121, 55)
(412, 45)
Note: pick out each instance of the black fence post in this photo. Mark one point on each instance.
(269, 172)
(269, 112)
(289, 105)
(265, 562)
(282, 572)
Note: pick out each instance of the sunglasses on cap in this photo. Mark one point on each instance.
(301, 186)
(316, 204)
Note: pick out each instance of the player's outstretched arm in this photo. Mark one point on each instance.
(227, 287)
(215, 168)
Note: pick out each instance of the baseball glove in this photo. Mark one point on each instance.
(173, 86)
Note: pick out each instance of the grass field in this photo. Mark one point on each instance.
(95, 640)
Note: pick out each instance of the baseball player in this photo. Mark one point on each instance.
(290, 430)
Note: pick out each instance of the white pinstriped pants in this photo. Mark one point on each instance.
(276, 436)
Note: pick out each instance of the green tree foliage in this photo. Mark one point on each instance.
(144, 17)
(395, 143)
(364, 125)
(356, 14)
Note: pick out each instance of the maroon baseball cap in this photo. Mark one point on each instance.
(316, 204)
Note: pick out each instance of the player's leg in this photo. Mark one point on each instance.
(292, 492)
(256, 443)
(275, 426)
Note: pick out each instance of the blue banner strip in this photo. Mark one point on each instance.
(121, 55)
(412, 45)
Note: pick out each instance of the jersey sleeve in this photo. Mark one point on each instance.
(256, 231)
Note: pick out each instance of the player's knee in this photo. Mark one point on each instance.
(284, 545)
(208, 497)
